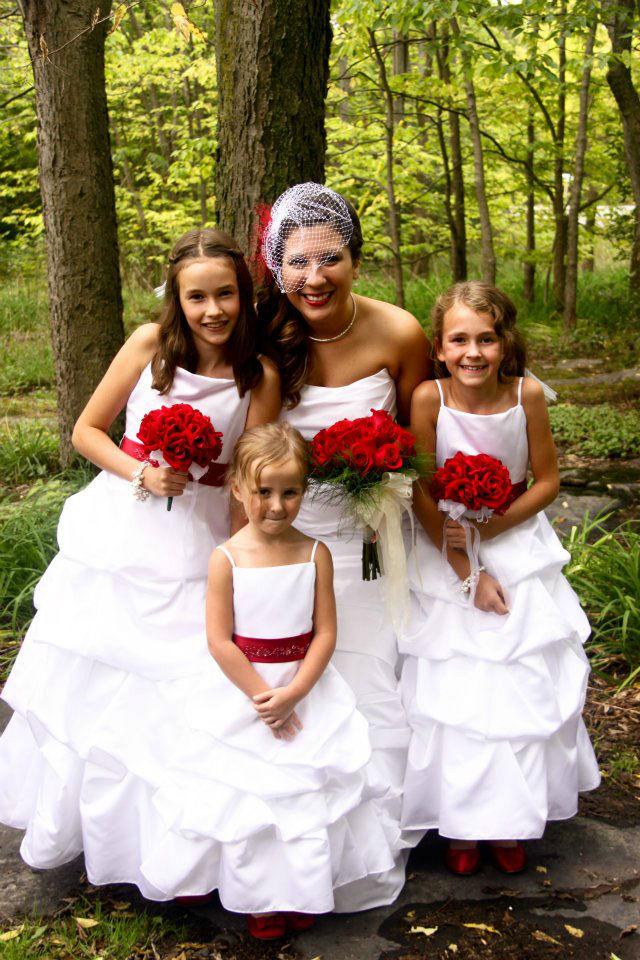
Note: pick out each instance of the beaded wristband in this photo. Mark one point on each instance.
(470, 581)
(138, 491)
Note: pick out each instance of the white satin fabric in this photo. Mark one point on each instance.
(101, 683)
(367, 649)
(499, 745)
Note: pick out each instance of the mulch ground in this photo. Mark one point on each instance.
(505, 928)
(613, 721)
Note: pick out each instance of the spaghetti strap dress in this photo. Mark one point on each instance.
(100, 684)
(271, 824)
(498, 743)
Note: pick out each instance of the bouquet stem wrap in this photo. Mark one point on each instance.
(458, 511)
(381, 513)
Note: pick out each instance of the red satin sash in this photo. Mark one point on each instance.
(280, 650)
(214, 477)
(516, 491)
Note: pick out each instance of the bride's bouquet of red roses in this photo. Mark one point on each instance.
(369, 465)
(183, 436)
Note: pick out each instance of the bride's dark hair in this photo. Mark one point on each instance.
(283, 329)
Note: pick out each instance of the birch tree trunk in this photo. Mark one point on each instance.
(76, 182)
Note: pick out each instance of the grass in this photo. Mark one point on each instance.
(27, 546)
(596, 431)
(605, 573)
(29, 451)
(102, 929)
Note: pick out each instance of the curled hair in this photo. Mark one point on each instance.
(264, 445)
(483, 298)
(176, 347)
(284, 333)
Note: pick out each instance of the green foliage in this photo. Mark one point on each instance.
(28, 451)
(27, 546)
(91, 928)
(596, 431)
(605, 573)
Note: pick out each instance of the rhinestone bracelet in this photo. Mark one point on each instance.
(471, 581)
(137, 489)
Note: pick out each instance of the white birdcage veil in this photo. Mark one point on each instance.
(320, 219)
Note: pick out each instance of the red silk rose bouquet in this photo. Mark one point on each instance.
(369, 464)
(472, 487)
(184, 437)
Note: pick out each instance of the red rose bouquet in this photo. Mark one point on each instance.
(370, 464)
(183, 436)
(472, 487)
(479, 483)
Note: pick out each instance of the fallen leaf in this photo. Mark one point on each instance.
(544, 937)
(120, 905)
(11, 934)
(481, 926)
(627, 930)
(410, 915)
(453, 947)
(428, 931)
(86, 922)
(541, 869)
(574, 931)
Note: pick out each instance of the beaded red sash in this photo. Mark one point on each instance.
(280, 650)
(214, 477)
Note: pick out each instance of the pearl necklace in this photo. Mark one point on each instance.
(338, 336)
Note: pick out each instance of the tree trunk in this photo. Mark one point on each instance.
(529, 284)
(76, 181)
(394, 213)
(271, 104)
(619, 78)
(588, 264)
(486, 231)
(400, 67)
(560, 238)
(454, 174)
(571, 277)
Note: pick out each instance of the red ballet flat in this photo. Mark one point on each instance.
(300, 921)
(463, 862)
(268, 927)
(509, 859)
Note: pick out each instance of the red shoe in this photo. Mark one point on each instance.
(268, 927)
(509, 859)
(463, 862)
(300, 921)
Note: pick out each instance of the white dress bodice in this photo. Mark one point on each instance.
(319, 407)
(502, 435)
(216, 398)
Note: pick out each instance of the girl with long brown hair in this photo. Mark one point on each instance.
(101, 685)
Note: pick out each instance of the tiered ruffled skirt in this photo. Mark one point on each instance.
(499, 745)
(128, 744)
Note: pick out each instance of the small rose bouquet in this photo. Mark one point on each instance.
(184, 437)
(473, 487)
(369, 465)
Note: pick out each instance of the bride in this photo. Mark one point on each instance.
(340, 356)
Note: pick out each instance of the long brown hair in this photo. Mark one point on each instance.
(483, 298)
(284, 333)
(176, 347)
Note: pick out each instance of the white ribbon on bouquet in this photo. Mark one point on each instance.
(382, 512)
(460, 513)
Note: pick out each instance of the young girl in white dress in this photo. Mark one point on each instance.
(100, 684)
(286, 795)
(495, 677)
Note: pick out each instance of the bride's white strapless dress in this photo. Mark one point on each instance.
(367, 648)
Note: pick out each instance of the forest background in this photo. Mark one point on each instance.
(476, 139)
